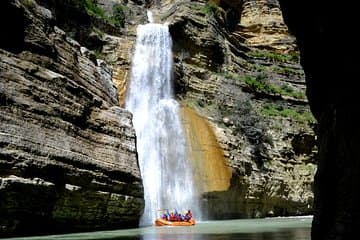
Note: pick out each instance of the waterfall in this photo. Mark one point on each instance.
(164, 164)
(150, 16)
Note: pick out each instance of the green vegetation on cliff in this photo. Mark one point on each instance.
(210, 7)
(276, 57)
(274, 110)
(92, 8)
(117, 17)
(28, 3)
(260, 85)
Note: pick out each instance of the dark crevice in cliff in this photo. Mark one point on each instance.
(71, 16)
(232, 15)
(13, 26)
(329, 54)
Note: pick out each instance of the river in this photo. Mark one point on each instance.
(284, 228)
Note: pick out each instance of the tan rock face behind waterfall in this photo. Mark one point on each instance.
(236, 61)
(119, 50)
(237, 66)
(210, 169)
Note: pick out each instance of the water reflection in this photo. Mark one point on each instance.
(293, 234)
(297, 228)
(299, 234)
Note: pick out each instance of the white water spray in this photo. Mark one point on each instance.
(165, 168)
(150, 16)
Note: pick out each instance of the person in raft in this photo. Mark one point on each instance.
(188, 215)
(177, 217)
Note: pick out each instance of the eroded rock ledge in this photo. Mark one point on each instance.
(68, 158)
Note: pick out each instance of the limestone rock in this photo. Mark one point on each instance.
(62, 130)
(262, 25)
(241, 72)
(68, 159)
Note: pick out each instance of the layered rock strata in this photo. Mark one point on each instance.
(235, 65)
(261, 25)
(68, 159)
(252, 93)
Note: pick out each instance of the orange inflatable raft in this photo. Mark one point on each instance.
(163, 222)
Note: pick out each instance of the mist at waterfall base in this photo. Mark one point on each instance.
(165, 168)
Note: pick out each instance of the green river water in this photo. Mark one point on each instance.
(287, 228)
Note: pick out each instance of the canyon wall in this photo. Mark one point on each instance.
(64, 136)
(68, 159)
(237, 67)
(330, 62)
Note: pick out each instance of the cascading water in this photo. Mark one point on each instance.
(165, 168)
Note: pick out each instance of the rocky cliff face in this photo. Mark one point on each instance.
(330, 61)
(261, 25)
(237, 66)
(67, 145)
(68, 159)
